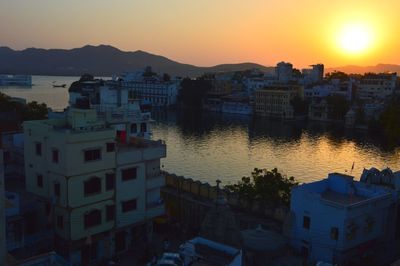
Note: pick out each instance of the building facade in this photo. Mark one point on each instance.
(97, 183)
(376, 86)
(276, 101)
(339, 220)
(2, 214)
(158, 93)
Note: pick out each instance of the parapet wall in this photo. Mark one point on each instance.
(208, 193)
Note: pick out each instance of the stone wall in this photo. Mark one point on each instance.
(188, 201)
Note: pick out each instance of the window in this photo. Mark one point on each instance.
(38, 148)
(110, 212)
(133, 128)
(110, 147)
(306, 222)
(60, 222)
(39, 180)
(57, 190)
(92, 186)
(129, 174)
(55, 155)
(334, 233)
(110, 181)
(129, 205)
(143, 127)
(92, 155)
(92, 218)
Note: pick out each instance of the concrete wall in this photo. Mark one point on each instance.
(189, 201)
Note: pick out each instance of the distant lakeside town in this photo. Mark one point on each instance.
(85, 186)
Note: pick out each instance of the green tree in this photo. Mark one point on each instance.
(30, 111)
(34, 111)
(265, 186)
(389, 122)
(166, 77)
(338, 107)
(192, 92)
(337, 75)
(300, 106)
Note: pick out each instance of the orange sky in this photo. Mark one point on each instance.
(209, 32)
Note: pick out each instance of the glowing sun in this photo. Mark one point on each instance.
(355, 38)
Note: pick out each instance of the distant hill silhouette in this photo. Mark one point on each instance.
(102, 60)
(365, 69)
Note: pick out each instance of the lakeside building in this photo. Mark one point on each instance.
(338, 220)
(373, 86)
(275, 101)
(284, 72)
(15, 80)
(314, 74)
(100, 188)
(153, 89)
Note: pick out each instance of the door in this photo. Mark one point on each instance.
(120, 244)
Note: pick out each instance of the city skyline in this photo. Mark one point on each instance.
(208, 33)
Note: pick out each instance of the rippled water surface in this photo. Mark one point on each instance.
(210, 146)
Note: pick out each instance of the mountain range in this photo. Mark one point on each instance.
(102, 60)
(105, 60)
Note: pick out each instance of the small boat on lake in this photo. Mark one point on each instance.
(59, 86)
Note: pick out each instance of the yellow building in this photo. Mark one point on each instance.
(275, 101)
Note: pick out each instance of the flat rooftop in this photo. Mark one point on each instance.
(344, 199)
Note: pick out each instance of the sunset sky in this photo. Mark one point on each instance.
(209, 32)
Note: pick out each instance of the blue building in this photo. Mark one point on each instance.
(339, 220)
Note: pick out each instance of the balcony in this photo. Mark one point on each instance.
(155, 180)
(155, 209)
(139, 149)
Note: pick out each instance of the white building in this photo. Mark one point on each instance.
(15, 80)
(314, 74)
(376, 86)
(158, 93)
(284, 72)
(112, 103)
(342, 221)
(99, 186)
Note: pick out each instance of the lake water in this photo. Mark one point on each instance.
(210, 146)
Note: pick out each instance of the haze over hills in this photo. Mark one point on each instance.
(102, 60)
(105, 60)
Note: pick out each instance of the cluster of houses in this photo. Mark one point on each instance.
(272, 93)
(85, 184)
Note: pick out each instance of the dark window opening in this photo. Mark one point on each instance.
(133, 128)
(57, 189)
(306, 222)
(60, 222)
(38, 148)
(129, 205)
(92, 186)
(92, 218)
(55, 156)
(129, 174)
(334, 233)
(143, 127)
(110, 147)
(39, 180)
(92, 155)
(110, 213)
(110, 181)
